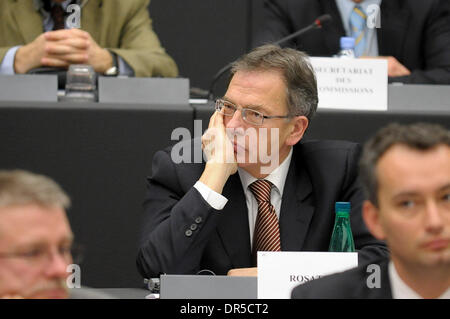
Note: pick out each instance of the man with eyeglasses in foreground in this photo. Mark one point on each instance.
(204, 218)
(36, 242)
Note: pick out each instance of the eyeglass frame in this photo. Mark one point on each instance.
(41, 253)
(244, 110)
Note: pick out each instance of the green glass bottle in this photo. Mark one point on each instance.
(342, 238)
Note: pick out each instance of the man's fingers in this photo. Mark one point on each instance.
(395, 68)
(79, 33)
(211, 120)
(76, 43)
(72, 58)
(54, 49)
(66, 34)
(219, 119)
(58, 48)
(243, 272)
(56, 35)
(400, 70)
(54, 62)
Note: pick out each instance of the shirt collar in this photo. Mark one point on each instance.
(277, 177)
(400, 290)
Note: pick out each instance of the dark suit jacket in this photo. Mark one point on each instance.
(350, 284)
(183, 234)
(415, 32)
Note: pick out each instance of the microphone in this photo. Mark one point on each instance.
(317, 24)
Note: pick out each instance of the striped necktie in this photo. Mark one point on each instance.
(57, 14)
(266, 236)
(357, 29)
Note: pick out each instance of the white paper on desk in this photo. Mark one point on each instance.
(352, 84)
(279, 272)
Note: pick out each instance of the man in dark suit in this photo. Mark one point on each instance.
(412, 35)
(206, 217)
(406, 175)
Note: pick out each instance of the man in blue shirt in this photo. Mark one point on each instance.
(413, 36)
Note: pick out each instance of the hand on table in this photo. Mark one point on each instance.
(395, 68)
(60, 49)
(243, 272)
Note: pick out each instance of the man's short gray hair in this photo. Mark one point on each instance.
(298, 74)
(419, 136)
(19, 187)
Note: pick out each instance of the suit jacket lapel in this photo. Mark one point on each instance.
(90, 15)
(296, 211)
(384, 292)
(28, 20)
(394, 25)
(332, 31)
(233, 228)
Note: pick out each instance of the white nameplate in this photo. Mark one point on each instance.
(352, 84)
(279, 272)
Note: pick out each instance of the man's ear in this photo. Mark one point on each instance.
(299, 126)
(371, 216)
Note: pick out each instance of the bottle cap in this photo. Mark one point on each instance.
(347, 43)
(342, 206)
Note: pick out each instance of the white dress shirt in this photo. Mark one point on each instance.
(400, 290)
(277, 178)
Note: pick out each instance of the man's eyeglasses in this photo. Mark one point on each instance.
(40, 256)
(248, 115)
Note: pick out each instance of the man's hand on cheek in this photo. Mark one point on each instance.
(217, 146)
(219, 151)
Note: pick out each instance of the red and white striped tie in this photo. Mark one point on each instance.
(267, 231)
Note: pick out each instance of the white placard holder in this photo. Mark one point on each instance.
(352, 84)
(279, 272)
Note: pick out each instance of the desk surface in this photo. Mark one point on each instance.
(419, 98)
(125, 293)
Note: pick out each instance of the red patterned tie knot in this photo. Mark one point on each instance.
(261, 190)
(57, 14)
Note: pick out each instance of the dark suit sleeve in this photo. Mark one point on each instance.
(368, 247)
(276, 23)
(436, 48)
(170, 243)
(350, 284)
